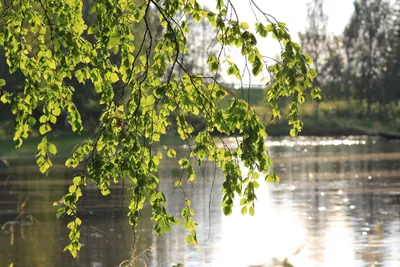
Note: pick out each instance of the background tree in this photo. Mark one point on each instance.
(314, 39)
(360, 66)
(367, 35)
(392, 70)
(333, 72)
(201, 43)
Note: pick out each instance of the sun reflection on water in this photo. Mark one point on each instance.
(271, 233)
(317, 142)
(338, 245)
(307, 142)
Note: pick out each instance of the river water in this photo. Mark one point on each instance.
(338, 204)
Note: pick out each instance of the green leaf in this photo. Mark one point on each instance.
(156, 137)
(194, 237)
(251, 211)
(171, 153)
(316, 93)
(234, 70)
(56, 111)
(77, 180)
(43, 129)
(44, 167)
(4, 98)
(72, 188)
(78, 221)
(31, 121)
(53, 119)
(156, 160)
(52, 148)
(227, 210)
(244, 210)
(148, 101)
(261, 30)
(196, 111)
(114, 77)
(212, 61)
(244, 25)
(189, 239)
(282, 24)
(184, 163)
(113, 42)
(43, 119)
(191, 175)
(257, 66)
(272, 178)
(2, 82)
(52, 64)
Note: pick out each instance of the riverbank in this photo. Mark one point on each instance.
(335, 126)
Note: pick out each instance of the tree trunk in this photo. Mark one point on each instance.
(369, 97)
(316, 109)
(369, 89)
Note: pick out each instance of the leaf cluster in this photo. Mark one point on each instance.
(140, 92)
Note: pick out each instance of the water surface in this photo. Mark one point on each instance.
(338, 204)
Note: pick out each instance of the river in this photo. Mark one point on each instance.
(338, 204)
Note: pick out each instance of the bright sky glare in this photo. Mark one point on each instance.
(294, 14)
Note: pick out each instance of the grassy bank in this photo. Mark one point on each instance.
(25, 155)
(335, 118)
(333, 127)
(64, 143)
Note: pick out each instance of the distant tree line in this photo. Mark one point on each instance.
(362, 64)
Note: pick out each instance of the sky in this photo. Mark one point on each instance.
(294, 14)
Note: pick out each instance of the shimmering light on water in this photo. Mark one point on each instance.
(307, 142)
(339, 248)
(325, 212)
(246, 240)
(320, 142)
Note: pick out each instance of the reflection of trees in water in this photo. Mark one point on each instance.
(26, 204)
(13, 198)
(25, 208)
(106, 236)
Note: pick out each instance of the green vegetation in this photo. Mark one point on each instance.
(358, 70)
(108, 59)
(64, 143)
(336, 118)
